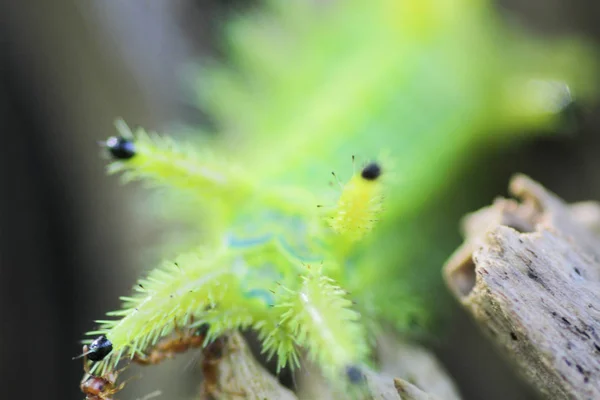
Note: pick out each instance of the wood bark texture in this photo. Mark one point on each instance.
(529, 273)
(411, 362)
(406, 371)
(240, 376)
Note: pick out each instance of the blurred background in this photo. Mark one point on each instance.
(71, 238)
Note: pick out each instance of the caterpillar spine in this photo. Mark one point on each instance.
(160, 161)
(322, 321)
(360, 204)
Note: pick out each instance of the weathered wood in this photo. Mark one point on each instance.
(417, 365)
(374, 386)
(529, 273)
(400, 362)
(409, 391)
(240, 376)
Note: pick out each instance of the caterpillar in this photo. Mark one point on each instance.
(228, 287)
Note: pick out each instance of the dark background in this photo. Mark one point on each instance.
(69, 236)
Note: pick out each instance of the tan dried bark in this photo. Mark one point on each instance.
(409, 391)
(376, 386)
(406, 371)
(529, 274)
(413, 363)
(240, 376)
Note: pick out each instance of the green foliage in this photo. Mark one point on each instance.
(307, 86)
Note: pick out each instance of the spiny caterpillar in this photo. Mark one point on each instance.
(294, 102)
(258, 275)
(360, 203)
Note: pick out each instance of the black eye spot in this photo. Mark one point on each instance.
(99, 348)
(120, 148)
(354, 374)
(371, 172)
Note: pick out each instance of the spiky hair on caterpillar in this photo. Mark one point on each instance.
(360, 202)
(195, 287)
(159, 161)
(204, 175)
(223, 288)
(322, 320)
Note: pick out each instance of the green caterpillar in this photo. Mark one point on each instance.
(232, 286)
(342, 78)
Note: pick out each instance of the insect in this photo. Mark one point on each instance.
(168, 347)
(212, 355)
(120, 148)
(99, 387)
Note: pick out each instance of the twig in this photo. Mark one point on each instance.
(529, 273)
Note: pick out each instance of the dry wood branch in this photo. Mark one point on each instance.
(409, 391)
(375, 386)
(407, 371)
(240, 376)
(416, 365)
(529, 273)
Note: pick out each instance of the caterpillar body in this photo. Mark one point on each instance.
(233, 285)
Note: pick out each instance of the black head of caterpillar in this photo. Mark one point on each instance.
(99, 348)
(120, 148)
(371, 171)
